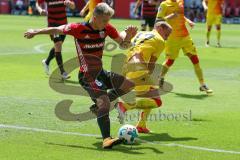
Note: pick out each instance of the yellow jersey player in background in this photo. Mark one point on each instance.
(172, 11)
(90, 5)
(214, 10)
(140, 63)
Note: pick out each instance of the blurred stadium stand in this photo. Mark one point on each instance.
(123, 8)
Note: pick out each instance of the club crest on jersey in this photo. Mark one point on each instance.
(102, 34)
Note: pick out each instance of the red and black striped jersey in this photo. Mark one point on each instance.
(56, 12)
(148, 10)
(90, 45)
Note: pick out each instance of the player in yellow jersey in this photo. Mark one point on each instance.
(172, 11)
(90, 5)
(214, 10)
(140, 63)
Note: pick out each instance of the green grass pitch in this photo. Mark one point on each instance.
(30, 130)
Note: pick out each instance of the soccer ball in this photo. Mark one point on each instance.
(128, 133)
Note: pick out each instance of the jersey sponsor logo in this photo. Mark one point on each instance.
(55, 3)
(89, 46)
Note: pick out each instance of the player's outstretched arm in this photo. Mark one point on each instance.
(124, 40)
(50, 30)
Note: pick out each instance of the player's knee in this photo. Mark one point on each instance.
(194, 59)
(209, 28)
(103, 101)
(58, 45)
(218, 27)
(103, 104)
(127, 85)
(169, 62)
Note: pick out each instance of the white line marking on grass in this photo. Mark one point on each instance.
(39, 47)
(47, 131)
(95, 135)
(190, 147)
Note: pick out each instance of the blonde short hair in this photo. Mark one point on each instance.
(162, 24)
(103, 9)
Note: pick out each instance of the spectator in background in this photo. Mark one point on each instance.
(237, 8)
(194, 10)
(20, 7)
(32, 7)
(228, 10)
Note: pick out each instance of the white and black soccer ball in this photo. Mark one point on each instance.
(128, 133)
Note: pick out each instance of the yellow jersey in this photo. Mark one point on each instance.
(214, 7)
(168, 7)
(148, 44)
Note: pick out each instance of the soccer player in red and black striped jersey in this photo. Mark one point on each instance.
(103, 86)
(148, 12)
(56, 16)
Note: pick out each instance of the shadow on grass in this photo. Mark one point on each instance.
(165, 137)
(200, 120)
(71, 82)
(128, 149)
(190, 96)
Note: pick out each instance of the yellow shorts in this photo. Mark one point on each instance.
(142, 80)
(174, 45)
(214, 19)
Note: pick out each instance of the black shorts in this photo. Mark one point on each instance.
(104, 81)
(57, 37)
(148, 21)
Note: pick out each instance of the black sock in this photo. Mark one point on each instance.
(51, 55)
(104, 123)
(115, 93)
(59, 61)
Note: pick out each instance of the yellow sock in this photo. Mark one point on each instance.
(128, 106)
(146, 103)
(199, 73)
(141, 103)
(208, 35)
(143, 118)
(164, 70)
(218, 35)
